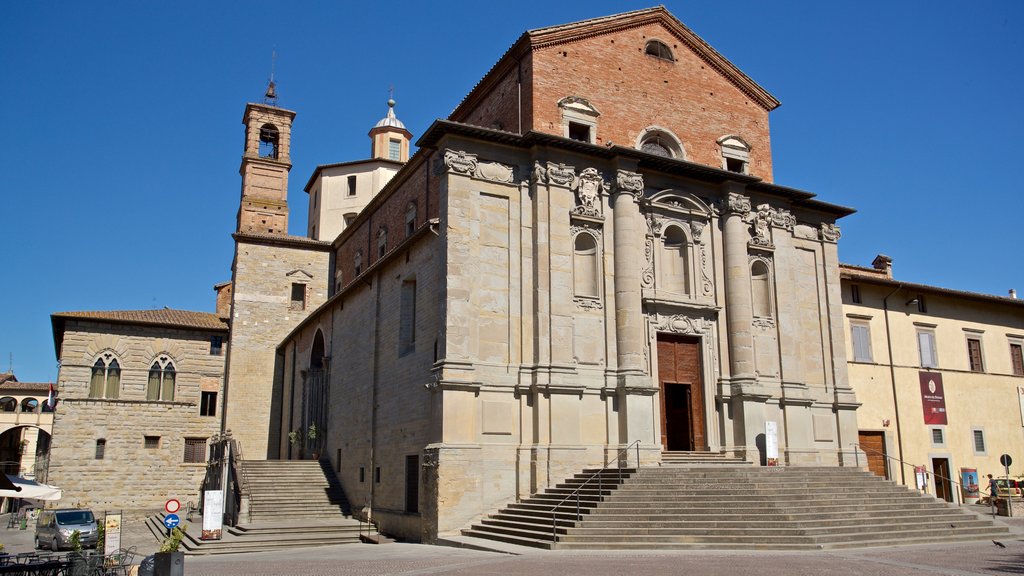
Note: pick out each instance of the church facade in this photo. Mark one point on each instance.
(588, 255)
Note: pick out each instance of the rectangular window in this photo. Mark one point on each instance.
(362, 474)
(195, 450)
(926, 346)
(394, 149)
(979, 440)
(412, 484)
(351, 185)
(376, 475)
(974, 355)
(1017, 358)
(407, 320)
(736, 165)
(101, 448)
(855, 293)
(921, 306)
(151, 442)
(938, 438)
(216, 345)
(298, 301)
(208, 404)
(579, 132)
(861, 336)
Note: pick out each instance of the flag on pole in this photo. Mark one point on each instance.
(51, 399)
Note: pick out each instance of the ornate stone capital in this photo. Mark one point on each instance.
(697, 228)
(654, 225)
(736, 204)
(631, 183)
(830, 232)
(553, 173)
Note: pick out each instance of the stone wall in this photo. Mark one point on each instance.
(131, 476)
(261, 316)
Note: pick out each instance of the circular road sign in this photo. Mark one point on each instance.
(1005, 460)
(171, 520)
(172, 506)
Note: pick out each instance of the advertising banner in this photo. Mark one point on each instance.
(111, 533)
(933, 399)
(213, 514)
(922, 478)
(969, 480)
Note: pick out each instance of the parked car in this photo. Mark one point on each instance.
(1008, 487)
(55, 527)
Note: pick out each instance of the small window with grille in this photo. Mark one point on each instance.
(151, 442)
(195, 450)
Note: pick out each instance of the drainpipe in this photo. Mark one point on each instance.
(892, 380)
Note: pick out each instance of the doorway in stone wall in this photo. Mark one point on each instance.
(682, 393)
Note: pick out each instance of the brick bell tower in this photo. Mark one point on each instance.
(265, 166)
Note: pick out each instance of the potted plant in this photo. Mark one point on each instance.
(295, 438)
(314, 444)
(170, 561)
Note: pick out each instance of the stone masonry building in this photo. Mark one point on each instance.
(141, 393)
(589, 253)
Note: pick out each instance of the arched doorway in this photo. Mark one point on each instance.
(315, 396)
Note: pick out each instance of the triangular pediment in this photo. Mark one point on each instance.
(561, 34)
(299, 274)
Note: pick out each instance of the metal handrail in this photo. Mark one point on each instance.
(600, 487)
(958, 495)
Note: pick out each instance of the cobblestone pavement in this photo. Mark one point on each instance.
(411, 559)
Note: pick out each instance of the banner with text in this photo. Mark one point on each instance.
(933, 399)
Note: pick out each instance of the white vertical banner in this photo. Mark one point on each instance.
(213, 514)
(1020, 398)
(771, 443)
(111, 533)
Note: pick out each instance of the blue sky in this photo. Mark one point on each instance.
(122, 119)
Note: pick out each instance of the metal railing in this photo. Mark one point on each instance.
(600, 486)
(957, 493)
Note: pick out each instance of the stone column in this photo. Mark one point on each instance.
(636, 392)
(747, 397)
(738, 302)
(628, 242)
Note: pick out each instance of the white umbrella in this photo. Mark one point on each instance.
(31, 489)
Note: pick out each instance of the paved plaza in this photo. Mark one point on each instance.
(416, 559)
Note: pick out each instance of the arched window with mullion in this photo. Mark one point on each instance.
(113, 389)
(161, 381)
(98, 380)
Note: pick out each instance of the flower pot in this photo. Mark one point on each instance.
(169, 564)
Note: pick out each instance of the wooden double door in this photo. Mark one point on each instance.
(682, 393)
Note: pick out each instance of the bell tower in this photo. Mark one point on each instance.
(265, 166)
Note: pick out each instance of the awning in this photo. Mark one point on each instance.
(30, 489)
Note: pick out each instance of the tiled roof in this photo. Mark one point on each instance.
(7, 376)
(159, 317)
(25, 386)
(870, 275)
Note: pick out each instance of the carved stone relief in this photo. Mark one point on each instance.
(761, 227)
(462, 162)
(590, 185)
(647, 274)
(585, 303)
(783, 218)
(682, 324)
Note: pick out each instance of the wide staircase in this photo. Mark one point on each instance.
(292, 503)
(726, 506)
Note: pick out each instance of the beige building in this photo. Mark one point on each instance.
(141, 393)
(570, 265)
(940, 373)
(26, 425)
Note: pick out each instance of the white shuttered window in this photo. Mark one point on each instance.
(926, 344)
(861, 336)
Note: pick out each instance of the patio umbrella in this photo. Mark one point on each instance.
(30, 489)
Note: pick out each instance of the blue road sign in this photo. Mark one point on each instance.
(171, 520)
